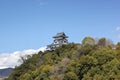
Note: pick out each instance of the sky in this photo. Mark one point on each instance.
(31, 24)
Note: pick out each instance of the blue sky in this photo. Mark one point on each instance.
(30, 24)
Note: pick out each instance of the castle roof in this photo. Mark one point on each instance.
(62, 34)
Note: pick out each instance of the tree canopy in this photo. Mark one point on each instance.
(72, 62)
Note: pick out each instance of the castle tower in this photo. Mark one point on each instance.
(59, 40)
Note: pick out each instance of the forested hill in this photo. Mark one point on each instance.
(90, 60)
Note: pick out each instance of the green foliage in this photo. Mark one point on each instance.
(70, 76)
(88, 40)
(102, 42)
(72, 62)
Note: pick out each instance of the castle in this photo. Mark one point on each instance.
(59, 40)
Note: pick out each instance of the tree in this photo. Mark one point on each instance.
(86, 63)
(102, 42)
(26, 76)
(72, 62)
(88, 40)
(70, 76)
(118, 46)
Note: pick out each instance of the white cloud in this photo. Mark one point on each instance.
(12, 59)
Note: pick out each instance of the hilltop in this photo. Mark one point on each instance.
(90, 60)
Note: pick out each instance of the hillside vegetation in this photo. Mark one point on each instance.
(91, 60)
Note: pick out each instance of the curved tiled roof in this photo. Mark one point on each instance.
(62, 34)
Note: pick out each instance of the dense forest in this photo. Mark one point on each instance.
(93, 59)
